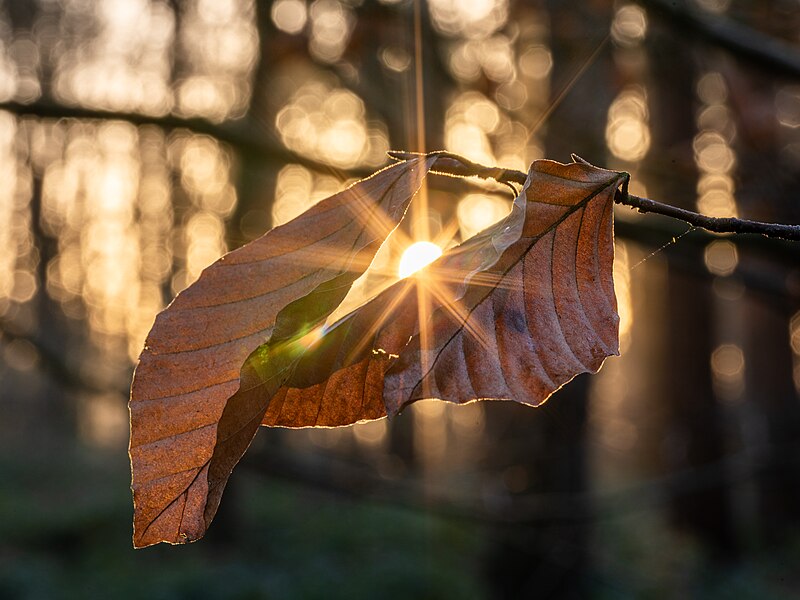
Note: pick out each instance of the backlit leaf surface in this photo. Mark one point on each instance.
(512, 313)
(275, 288)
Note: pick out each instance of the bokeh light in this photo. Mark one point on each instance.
(395, 58)
(331, 25)
(329, 124)
(21, 355)
(468, 18)
(18, 255)
(713, 153)
(721, 257)
(627, 131)
(476, 127)
(289, 15)
(121, 62)
(297, 189)
(629, 26)
(787, 106)
(727, 368)
(476, 212)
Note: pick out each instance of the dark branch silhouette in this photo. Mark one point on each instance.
(243, 138)
(242, 134)
(736, 37)
(457, 166)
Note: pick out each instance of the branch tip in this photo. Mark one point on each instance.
(454, 165)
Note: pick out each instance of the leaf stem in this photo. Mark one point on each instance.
(456, 166)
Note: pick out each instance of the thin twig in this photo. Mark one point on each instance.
(453, 165)
(456, 166)
(715, 224)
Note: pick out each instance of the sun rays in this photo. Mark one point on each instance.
(437, 271)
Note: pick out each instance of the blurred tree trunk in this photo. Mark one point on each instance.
(769, 376)
(255, 188)
(539, 451)
(693, 432)
(59, 410)
(767, 194)
(544, 450)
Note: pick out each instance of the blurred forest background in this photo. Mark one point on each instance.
(141, 139)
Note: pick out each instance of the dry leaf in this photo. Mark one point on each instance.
(285, 282)
(513, 313)
(542, 314)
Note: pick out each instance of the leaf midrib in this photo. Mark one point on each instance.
(492, 288)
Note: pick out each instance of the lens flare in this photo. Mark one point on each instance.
(417, 256)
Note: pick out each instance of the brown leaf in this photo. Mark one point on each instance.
(186, 435)
(513, 313)
(542, 314)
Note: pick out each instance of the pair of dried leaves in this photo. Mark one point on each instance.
(512, 313)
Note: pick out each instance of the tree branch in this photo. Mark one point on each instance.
(457, 166)
(715, 224)
(243, 135)
(453, 165)
(736, 37)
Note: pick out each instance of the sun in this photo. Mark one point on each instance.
(417, 256)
